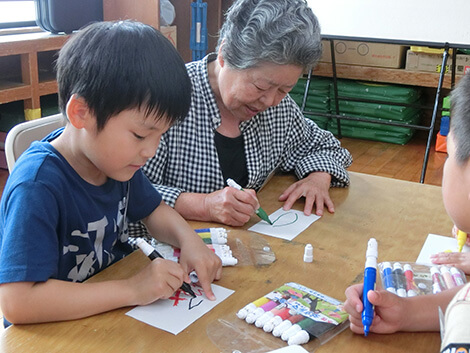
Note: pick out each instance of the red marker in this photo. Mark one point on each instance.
(410, 283)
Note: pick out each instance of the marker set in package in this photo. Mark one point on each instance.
(214, 238)
(410, 279)
(296, 314)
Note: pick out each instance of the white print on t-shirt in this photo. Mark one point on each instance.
(97, 230)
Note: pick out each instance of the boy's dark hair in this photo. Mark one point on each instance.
(460, 119)
(116, 66)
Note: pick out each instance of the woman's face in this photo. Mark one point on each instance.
(456, 188)
(245, 93)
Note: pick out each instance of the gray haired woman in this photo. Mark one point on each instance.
(243, 125)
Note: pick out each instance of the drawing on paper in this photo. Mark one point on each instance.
(286, 224)
(181, 296)
(180, 310)
(285, 219)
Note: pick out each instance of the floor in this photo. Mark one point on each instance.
(377, 158)
(396, 161)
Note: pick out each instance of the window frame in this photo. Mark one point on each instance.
(19, 24)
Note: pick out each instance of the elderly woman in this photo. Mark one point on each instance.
(243, 125)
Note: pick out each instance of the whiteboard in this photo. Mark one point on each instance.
(409, 22)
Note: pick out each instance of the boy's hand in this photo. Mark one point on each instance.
(388, 310)
(231, 206)
(458, 259)
(315, 189)
(158, 280)
(195, 255)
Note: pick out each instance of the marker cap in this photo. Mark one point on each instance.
(308, 253)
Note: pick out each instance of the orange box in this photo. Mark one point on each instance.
(441, 143)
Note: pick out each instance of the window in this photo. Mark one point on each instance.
(17, 13)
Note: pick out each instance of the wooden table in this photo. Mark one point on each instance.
(398, 214)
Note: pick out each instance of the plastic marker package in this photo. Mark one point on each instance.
(214, 238)
(407, 279)
(296, 314)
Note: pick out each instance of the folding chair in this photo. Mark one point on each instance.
(20, 137)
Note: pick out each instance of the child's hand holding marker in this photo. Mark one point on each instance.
(197, 256)
(389, 310)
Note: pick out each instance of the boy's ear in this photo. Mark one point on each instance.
(77, 111)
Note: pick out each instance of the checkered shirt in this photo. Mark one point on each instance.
(280, 137)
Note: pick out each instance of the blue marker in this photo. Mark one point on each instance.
(370, 274)
(388, 277)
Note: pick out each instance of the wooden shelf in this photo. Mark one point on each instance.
(386, 75)
(33, 84)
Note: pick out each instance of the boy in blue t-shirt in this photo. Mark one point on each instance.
(66, 205)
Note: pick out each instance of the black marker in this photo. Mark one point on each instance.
(152, 254)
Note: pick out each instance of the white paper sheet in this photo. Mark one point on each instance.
(286, 224)
(180, 310)
(437, 243)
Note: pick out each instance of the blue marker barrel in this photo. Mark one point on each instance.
(370, 275)
(388, 277)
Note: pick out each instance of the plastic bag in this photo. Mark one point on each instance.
(167, 13)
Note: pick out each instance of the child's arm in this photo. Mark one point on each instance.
(393, 313)
(165, 224)
(56, 300)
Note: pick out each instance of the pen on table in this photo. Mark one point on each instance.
(152, 254)
(260, 212)
(370, 274)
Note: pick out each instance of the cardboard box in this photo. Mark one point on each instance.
(365, 54)
(432, 62)
(170, 33)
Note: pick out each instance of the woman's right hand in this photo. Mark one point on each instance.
(231, 206)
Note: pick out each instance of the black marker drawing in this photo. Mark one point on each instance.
(191, 306)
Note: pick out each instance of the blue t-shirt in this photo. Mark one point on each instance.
(54, 224)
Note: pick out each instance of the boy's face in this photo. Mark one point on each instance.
(125, 144)
(456, 188)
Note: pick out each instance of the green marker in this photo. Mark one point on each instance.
(260, 212)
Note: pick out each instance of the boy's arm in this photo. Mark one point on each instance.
(167, 225)
(57, 300)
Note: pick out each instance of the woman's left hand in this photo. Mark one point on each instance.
(315, 188)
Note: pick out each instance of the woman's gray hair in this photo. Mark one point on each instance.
(284, 32)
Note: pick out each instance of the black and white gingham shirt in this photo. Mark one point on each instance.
(280, 137)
